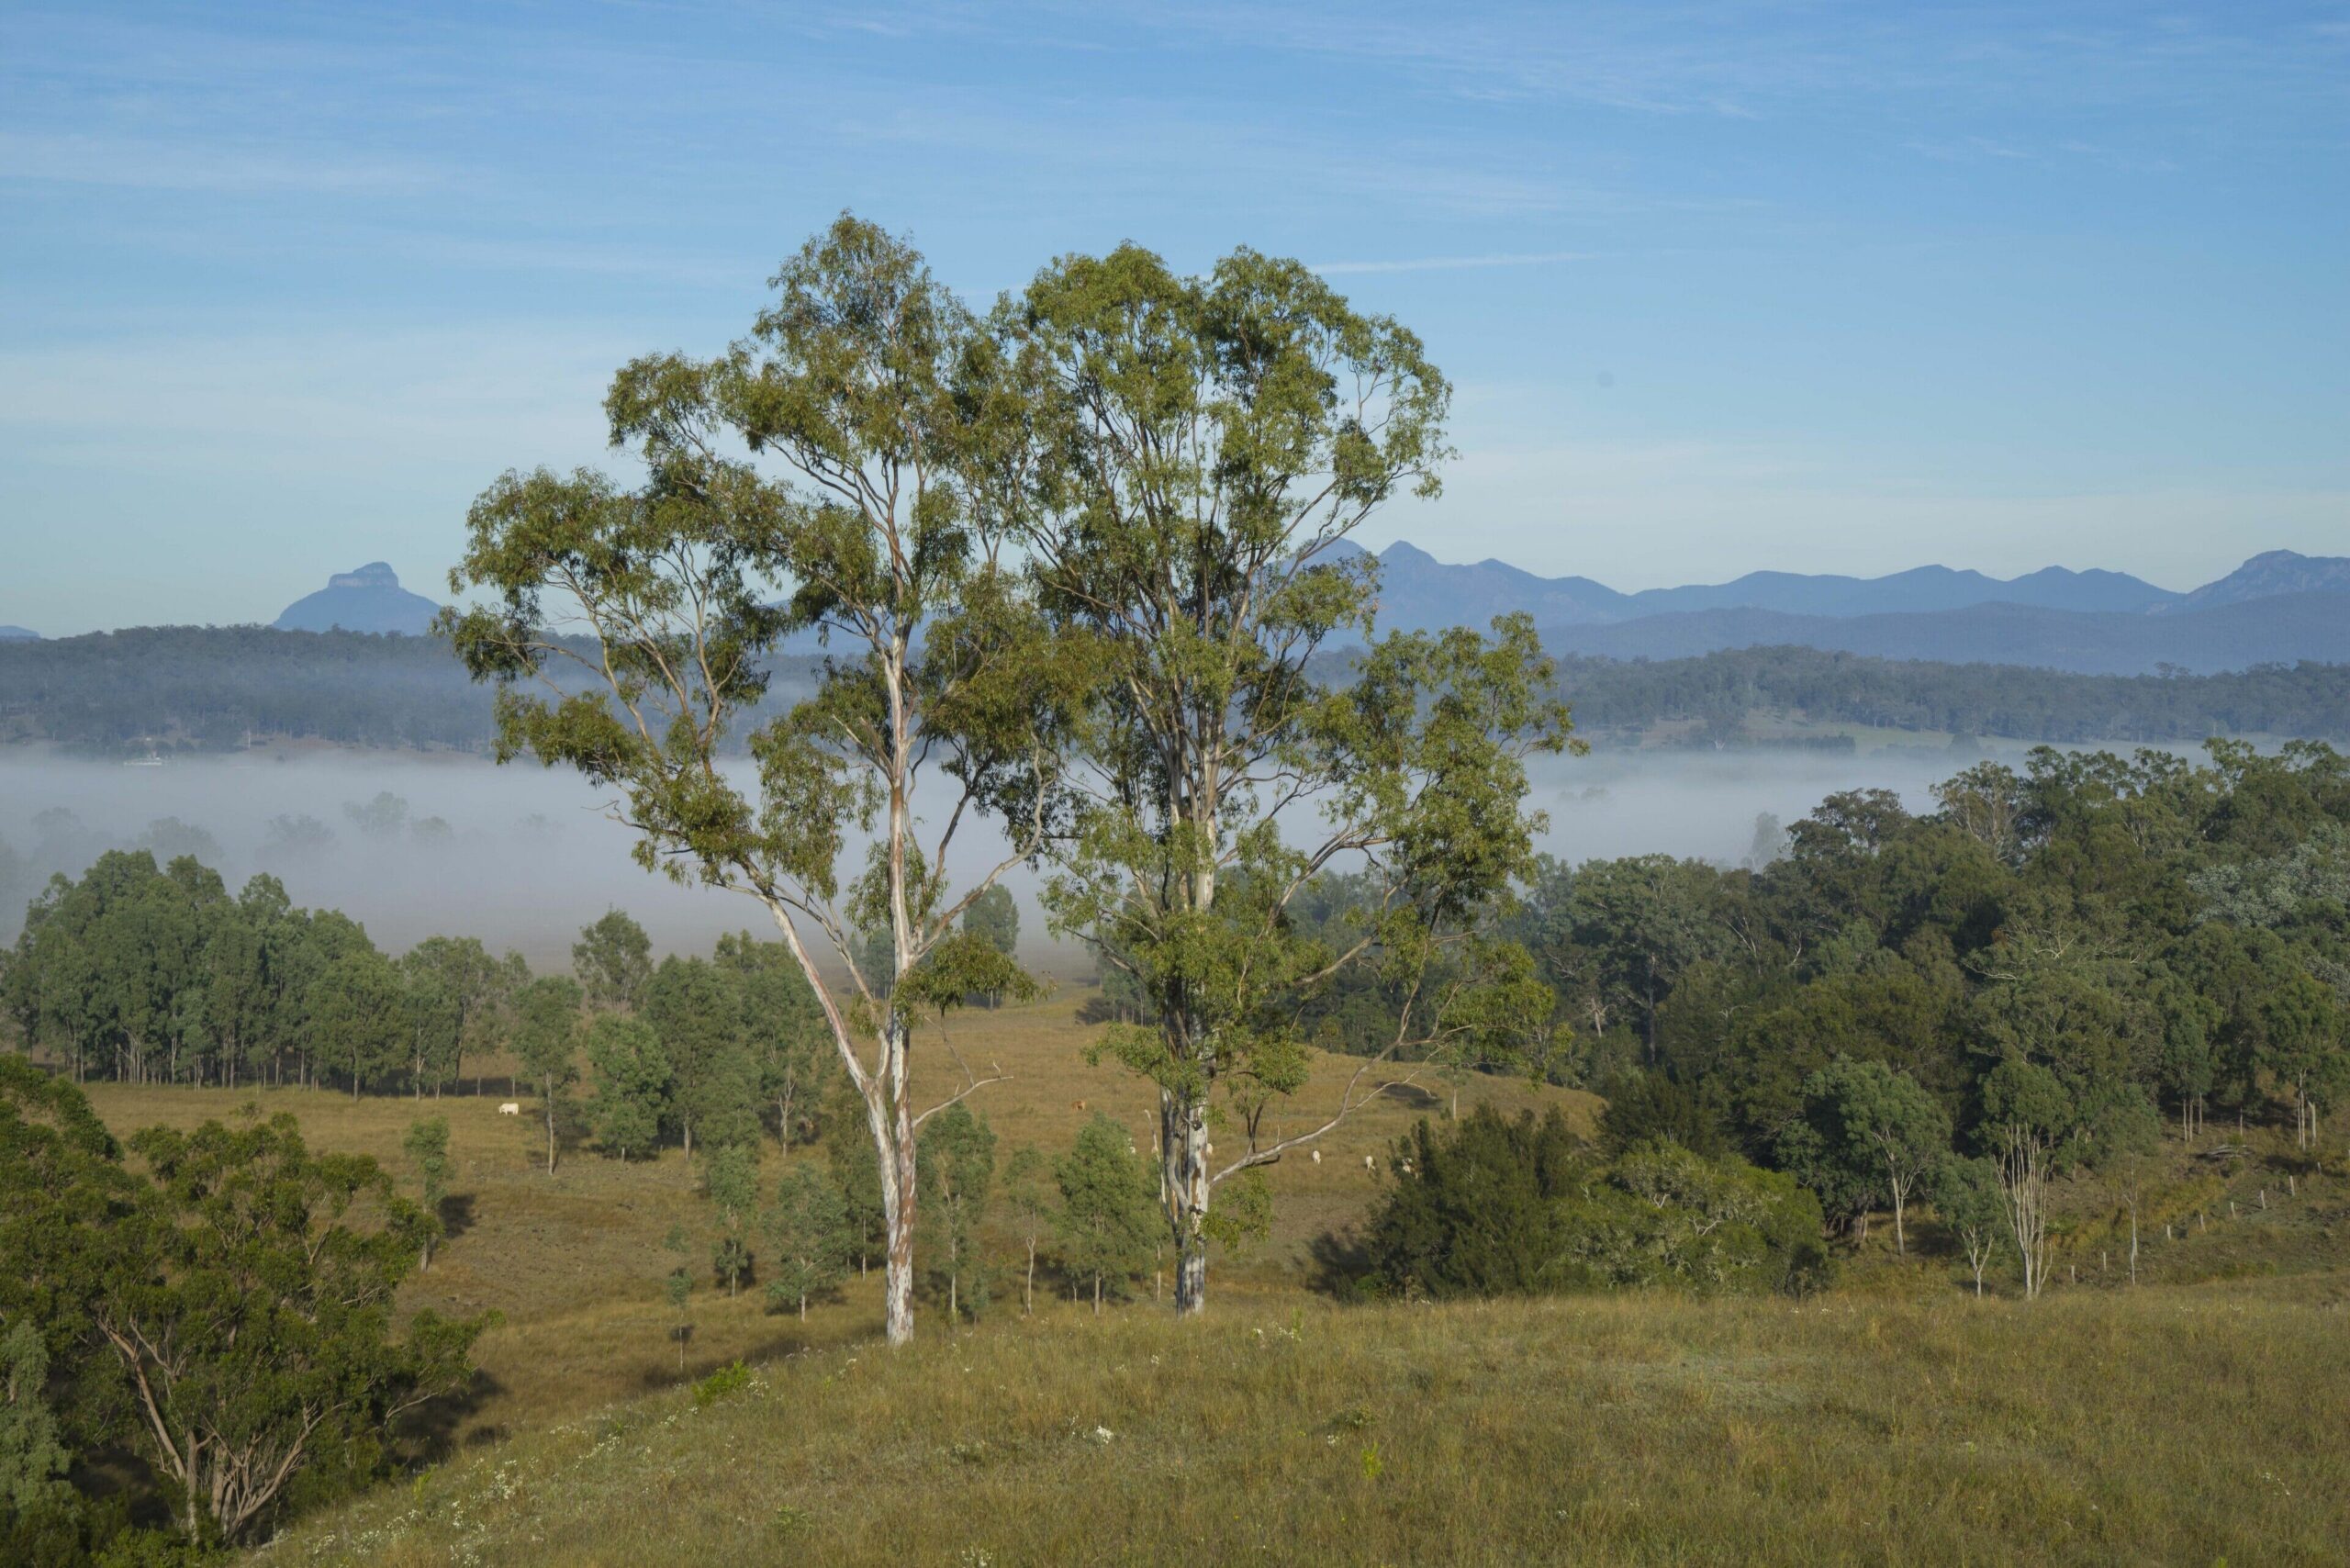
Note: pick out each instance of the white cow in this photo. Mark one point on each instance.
(1317, 1157)
(1370, 1163)
(511, 1108)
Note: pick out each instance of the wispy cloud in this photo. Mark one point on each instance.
(173, 166)
(1451, 263)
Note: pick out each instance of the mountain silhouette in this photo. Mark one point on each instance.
(369, 600)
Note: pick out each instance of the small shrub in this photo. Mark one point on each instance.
(726, 1380)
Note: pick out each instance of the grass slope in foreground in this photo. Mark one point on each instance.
(2168, 1425)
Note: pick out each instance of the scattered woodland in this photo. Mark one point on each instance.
(1944, 1185)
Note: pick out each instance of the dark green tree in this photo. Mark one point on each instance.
(248, 1305)
(547, 1042)
(425, 1144)
(957, 1167)
(454, 995)
(782, 1031)
(731, 1183)
(994, 919)
(358, 1017)
(1107, 1228)
(632, 1079)
(1868, 1131)
(613, 960)
(1028, 1194)
(807, 1237)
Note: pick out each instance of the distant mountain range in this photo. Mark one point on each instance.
(18, 634)
(2277, 608)
(369, 600)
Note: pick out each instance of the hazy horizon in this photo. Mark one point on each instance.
(523, 859)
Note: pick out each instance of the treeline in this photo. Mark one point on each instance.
(1721, 690)
(158, 975)
(216, 689)
(1964, 1007)
(219, 688)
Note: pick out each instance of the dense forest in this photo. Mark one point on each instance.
(213, 688)
(1963, 1007)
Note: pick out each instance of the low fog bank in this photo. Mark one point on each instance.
(413, 845)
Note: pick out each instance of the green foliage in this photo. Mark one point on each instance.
(689, 1006)
(426, 1144)
(357, 1016)
(731, 1378)
(807, 1236)
(1222, 434)
(907, 446)
(33, 1458)
(1109, 1224)
(782, 1031)
(241, 1291)
(632, 1080)
(1028, 1190)
(1489, 1206)
(731, 1183)
(856, 1176)
(1644, 1107)
(1966, 1194)
(956, 1165)
(455, 989)
(1868, 1133)
(613, 960)
(547, 1042)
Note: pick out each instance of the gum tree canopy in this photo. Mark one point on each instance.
(852, 468)
(1217, 438)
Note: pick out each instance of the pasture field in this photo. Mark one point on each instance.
(2165, 1425)
(574, 1263)
(2196, 1418)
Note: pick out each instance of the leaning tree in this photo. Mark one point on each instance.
(1215, 440)
(847, 470)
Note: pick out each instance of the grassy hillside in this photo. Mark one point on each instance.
(2194, 1419)
(2164, 1426)
(574, 1262)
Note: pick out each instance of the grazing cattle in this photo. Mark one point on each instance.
(511, 1108)
(1077, 1104)
(1370, 1163)
(1317, 1157)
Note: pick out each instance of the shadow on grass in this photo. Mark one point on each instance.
(1338, 1266)
(456, 1215)
(788, 1338)
(432, 1429)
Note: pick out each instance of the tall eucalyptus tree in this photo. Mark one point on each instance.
(1215, 440)
(849, 469)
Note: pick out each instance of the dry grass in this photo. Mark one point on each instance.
(2163, 1427)
(2196, 1420)
(574, 1262)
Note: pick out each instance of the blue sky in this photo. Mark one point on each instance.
(1818, 287)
